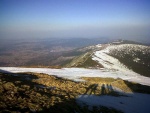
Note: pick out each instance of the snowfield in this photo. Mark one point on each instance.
(131, 103)
(76, 73)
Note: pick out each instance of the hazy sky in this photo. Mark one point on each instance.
(75, 18)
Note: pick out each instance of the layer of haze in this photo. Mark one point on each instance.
(129, 19)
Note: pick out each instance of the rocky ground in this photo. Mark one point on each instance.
(37, 92)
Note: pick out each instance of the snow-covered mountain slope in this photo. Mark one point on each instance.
(135, 57)
(125, 57)
(118, 55)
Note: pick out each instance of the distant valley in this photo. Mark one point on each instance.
(42, 52)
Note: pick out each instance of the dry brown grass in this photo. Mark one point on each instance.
(122, 85)
(99, 80)
(118, 83)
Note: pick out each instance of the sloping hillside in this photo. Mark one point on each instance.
(124, 54)
(85, 59)
(135, 57)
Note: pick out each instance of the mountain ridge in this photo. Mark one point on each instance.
(132, 55)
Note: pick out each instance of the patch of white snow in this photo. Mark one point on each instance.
(76, 73)
(132, 103)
